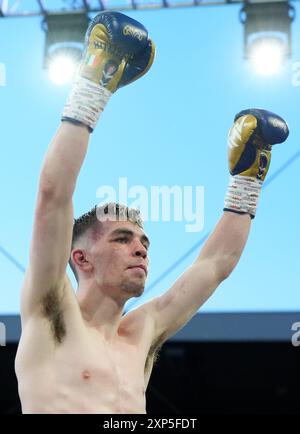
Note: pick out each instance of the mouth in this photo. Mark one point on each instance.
(142, 267)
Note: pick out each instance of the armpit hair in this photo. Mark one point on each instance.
(52, 310)
(153, 354)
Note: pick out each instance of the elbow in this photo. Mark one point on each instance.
(224, 274)
(48, 182)
(225, 266)
(49, 191)
(47, 194)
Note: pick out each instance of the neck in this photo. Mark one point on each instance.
(100, 310)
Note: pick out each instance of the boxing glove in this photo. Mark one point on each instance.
(117, 52)
(250, 142)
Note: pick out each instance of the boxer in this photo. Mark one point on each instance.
(78, 353)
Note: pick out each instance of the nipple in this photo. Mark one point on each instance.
(86, 374)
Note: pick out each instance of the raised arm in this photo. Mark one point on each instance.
(118, 51)
(250, 140)
(53, 220)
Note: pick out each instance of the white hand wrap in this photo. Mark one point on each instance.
(86, 102)
(242, 194)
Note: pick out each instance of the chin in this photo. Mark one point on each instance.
(137, 291)
(133, 288)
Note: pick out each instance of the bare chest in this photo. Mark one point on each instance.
(118, 368)
(93, 376)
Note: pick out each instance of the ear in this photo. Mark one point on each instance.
(80, 259)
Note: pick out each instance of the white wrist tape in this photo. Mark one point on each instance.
(86, 102)
(243, 194)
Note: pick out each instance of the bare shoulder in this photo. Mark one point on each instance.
(138, 324)
(56, 316)
(56, 322)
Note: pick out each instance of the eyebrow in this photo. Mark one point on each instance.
(122, 231)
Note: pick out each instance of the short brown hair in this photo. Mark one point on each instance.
(94, 218)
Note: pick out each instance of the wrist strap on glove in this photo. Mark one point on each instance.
(85, 103)
(242, 195)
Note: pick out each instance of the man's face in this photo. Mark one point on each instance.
(120, 258)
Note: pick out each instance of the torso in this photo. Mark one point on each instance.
(84, 373)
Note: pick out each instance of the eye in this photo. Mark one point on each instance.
(122, 239)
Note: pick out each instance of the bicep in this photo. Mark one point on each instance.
(172, 310)
(49, 252)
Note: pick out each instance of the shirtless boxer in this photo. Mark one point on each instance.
(78, 353)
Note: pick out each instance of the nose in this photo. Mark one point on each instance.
(140, 250)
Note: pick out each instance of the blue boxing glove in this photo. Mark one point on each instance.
(117, 52)
(250, 142)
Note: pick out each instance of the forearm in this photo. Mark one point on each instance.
(251, 137)
(63, 161)
(99, 74)
(226, 243)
